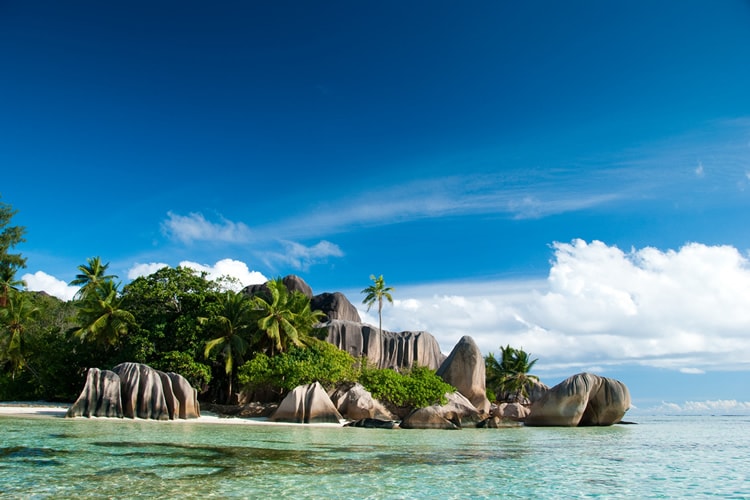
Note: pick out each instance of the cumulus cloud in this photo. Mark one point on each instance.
(43, 282)
(139, 270)
(195, 227)
(686, 309)
(235, 269)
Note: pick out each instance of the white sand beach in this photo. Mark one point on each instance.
(31, 409)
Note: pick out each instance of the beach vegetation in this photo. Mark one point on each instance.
(417, 388)
(10, 262)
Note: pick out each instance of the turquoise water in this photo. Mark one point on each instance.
(661, 457)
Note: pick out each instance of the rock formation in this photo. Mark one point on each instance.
(100, 396)
(583, 399)
(513, 411)
(307, 404)
(458, 412)
(292, 283)
(135, 390)
(385, 349)
(356, 403)
(335, 306)
(464, 370)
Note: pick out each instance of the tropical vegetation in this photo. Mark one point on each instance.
(508, 378)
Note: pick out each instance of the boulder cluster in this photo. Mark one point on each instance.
(135, 390)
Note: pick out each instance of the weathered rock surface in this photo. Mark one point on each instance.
(292, 283)
(100, 396)
(513, 411)
(464, 370)
(307, 404)
(335, 306)
(136, 390)
(583, 399)
(373, 423)
(499, 423)
(385, 349)
(458, 412)
(356, 403)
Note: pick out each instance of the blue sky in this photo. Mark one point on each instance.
(572, 178)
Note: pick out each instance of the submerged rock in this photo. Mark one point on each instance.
(583, 399)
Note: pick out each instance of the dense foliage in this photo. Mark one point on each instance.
(419, 387)
(279, 374)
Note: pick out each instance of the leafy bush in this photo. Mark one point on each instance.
(320, 361)
(418, 388)
(183, 363)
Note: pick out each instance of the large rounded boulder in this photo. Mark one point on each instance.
(464, 370)
(307, 404)
(583, 399)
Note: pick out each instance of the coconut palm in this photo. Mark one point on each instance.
(101, 317)
(376, 293)
(509, 377)
(8, 282)
(91, 275)
(231, 330)
(286, 318)
(14, 317)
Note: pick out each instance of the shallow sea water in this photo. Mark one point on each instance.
(660, 457)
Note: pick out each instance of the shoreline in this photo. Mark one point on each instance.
(32, 409)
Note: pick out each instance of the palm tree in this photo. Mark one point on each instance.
(92, 273)
(230, 331)
(376, 293)
(285, 318)
(101, 317)
(13, 318)
(276, 323)
(509, 377)
(8, 282)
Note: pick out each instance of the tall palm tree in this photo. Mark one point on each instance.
(509, 377)
(277, 318)
(101, 317)
(14, 317)
(91, 275)
(376, 293)
(8, 282)
(230, 330)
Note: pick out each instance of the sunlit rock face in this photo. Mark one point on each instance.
(398, 350)
(464, 369)
(307, 404)
(135, 390)
(583, 399)
(457, 413)
(335, 306)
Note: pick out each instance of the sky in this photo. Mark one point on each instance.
(570, 178)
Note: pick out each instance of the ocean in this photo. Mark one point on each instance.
(658, 457)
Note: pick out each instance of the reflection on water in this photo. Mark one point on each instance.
(54, 457)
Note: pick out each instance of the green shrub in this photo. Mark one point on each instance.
(198, 374)
(418, 388)
(320, 361)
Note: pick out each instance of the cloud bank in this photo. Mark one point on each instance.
(686, 309)
(43, 282)
(235, 269)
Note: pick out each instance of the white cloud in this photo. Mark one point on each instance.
(139, 270)
(692, 371)
(686, 309)
(722, 406)
(301, 257)
(228, 267)
(699, 169)
(195, 227)
(43, 282)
